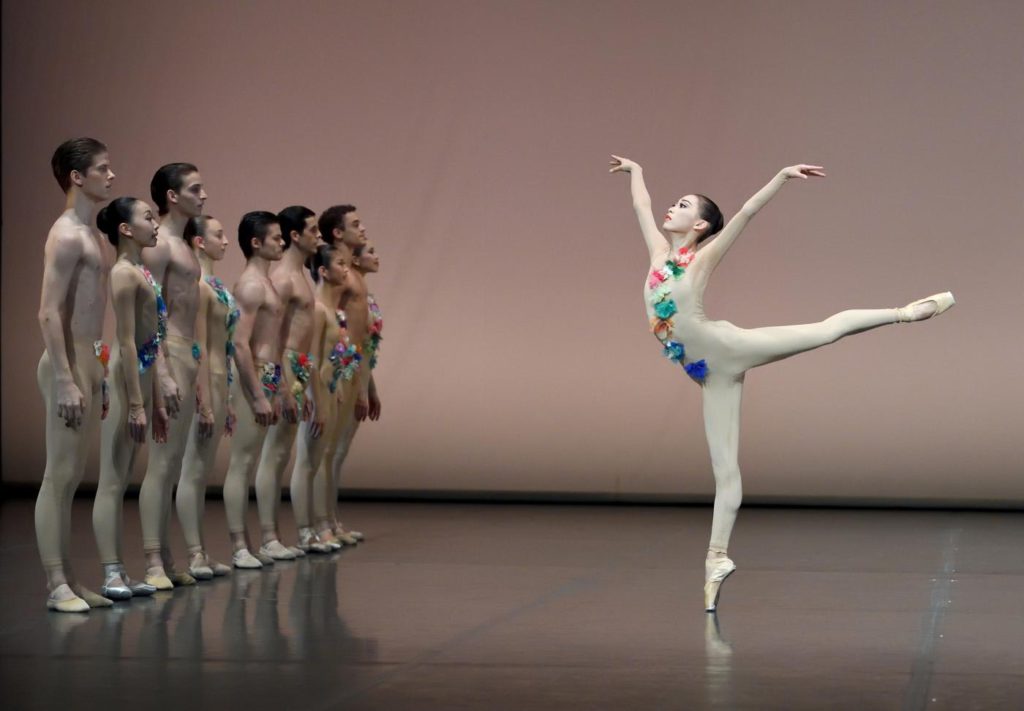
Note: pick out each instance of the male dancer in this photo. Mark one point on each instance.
(341, 224)
(258, 350)
(178, 192)
(76, 266)
(298, 400)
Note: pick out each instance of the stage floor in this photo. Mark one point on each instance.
(466, 606)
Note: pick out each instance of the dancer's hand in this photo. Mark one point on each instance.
(362, 408)
(229, 422)
(289, 408)
(263, 411)
(802, 171)
(161, 422)
(316, 422)
(137, 422)
(105, 390)
(70, 404)
(172, 395)
(206, 421)
(307, 409)
(624, 165)
(374, 412)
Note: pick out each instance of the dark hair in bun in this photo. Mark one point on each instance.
(196, 227)
(114, 215)
(321, 258)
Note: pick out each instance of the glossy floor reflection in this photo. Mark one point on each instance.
(461, 606)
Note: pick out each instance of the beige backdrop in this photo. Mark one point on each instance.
(474, 137)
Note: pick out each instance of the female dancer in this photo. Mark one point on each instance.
(215, 326)
(367, 403)
(141, 317)
(717, 354)
(329, 268)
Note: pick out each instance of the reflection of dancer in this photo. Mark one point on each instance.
(70, 373)
(141, 317)
(215, 326)
(717, 354)
(329, 268)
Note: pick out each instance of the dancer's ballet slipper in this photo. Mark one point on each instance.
(340, 531)
(327, 538)
(716, 570)
(943, 302)
(219, 569)
(63, 599)
(139, 589)
(242, 558)
(92, 599)
(199, 567)
(311, 543)
(299, 553)
(263, 558)
(182, 579)
(275, 550)
(156, 577)
(114, 587)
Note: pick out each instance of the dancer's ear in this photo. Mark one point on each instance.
(701, 225)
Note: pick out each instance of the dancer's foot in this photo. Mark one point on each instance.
(157, 577)
(311, 543)
(242, 558)
(63, 599)
(716, 570)
(114, 586)
(263, 558)
(299, 553)
(326, 537)
(199, 566)
(218, 568)
(182, 579)
(92, 599)
(138, 588)
(276, 551)
(344, 536)
(925, 308)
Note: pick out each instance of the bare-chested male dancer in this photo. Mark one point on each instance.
(76, 267)
(178, 192)
(299, 395)
(258, 350)
(341, 224)
(717, 354)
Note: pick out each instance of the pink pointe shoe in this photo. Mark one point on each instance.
(943, 302)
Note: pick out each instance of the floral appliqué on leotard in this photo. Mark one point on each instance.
(148, 350)
(345, 357)
(230, 320)
(373, 340)
(665, 308)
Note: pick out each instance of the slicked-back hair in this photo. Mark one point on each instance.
(111, 217)
(293, 218)
(321, 258)
(709, 212)
(196, 227)
(254, 224)
(168, 177)
(333, 218)
(74, 154)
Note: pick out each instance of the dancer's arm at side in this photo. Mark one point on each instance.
(204, 379)
(249, 297)
(657, 245)
(713, 253)
(317, 386)
(374, 413)
(62, 254)
(124, 285)
(156, 259)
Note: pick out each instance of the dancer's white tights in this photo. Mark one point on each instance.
(199, 460)
(723, 391)
(246, 446)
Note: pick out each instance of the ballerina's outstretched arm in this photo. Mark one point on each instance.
(657, 245)
(716, 249)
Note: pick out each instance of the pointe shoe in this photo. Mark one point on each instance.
(182, 579)
(199, 567)
(716, 570)
(242, 558)
(114, 587)
(139, 589)
(298, 552)
(311, 543)
(219, 569)
(340, 531)
(92, 599)
(156, 577)
(344, 536)
(63, 599)
(274, 550)
(943, 302)
(326, 537)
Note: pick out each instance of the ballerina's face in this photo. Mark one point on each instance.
(683, 215)
(144, 225)
(214, 242)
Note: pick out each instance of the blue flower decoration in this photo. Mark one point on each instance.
(197, 352)
(665, 309)
(674, 351)
(697, 370)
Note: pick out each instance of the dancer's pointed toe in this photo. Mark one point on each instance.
(926, 308)
(715, 572)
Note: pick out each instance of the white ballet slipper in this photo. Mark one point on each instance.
(943, 302)
(63, 599)
(275, 550)
(242, 558)
(716, 570)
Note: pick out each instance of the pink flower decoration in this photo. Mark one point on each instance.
(656, 278)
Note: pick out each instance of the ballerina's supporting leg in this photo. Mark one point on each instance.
(722, 397)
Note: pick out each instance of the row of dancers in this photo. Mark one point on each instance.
(283, 360)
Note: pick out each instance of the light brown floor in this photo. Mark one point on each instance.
(466, 606)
